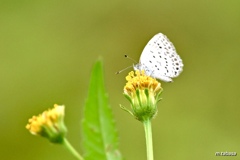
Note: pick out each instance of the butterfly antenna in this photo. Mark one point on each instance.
(123, 70)
(126, 56)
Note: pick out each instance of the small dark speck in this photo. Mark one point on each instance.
(153, 56)
(177, 68)
(150, 61)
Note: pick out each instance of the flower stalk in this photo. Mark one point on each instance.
(148, 135)
(72, 149)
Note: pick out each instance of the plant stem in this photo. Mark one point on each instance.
(148, 136)
(71, 149)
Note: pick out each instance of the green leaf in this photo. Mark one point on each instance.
(100, 139)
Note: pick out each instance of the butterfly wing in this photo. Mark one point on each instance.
(160, 60)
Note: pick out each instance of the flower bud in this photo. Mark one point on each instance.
(49, 124)
(143, 92)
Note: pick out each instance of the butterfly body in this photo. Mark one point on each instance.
(159, 59)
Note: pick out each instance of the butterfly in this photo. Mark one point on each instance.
(159, 59)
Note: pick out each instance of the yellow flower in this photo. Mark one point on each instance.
(143, 92)
(49, 124)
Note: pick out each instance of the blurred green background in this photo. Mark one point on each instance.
(47, 49)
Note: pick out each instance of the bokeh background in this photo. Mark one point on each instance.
(47, 49)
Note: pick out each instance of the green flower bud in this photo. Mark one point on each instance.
(143, 92)
(49, 124)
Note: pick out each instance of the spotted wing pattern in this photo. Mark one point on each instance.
(159, 59)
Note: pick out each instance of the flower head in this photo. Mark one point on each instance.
(143, 92)
(49, 124)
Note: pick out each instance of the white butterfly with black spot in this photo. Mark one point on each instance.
(159, 59)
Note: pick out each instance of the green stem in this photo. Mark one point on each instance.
(71, 149)
(148, 135)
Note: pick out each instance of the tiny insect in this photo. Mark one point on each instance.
(159, 59)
